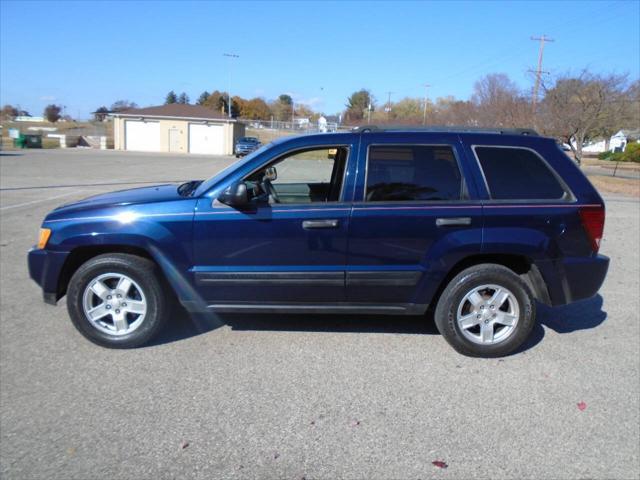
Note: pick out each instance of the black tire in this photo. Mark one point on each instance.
(141, 270)
(476, 276)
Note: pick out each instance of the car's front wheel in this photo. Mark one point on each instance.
(486, 311)
(117, 300)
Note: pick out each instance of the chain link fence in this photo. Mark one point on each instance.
(269, 130)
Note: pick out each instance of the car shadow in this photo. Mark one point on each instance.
(402, 324)
(10, 154)
(184, 325)
(581, 315)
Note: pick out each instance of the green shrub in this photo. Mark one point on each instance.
(631, 153)
(616, 157)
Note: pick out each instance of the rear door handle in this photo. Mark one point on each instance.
(453, 221)
(311, 224)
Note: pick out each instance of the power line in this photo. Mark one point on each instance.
(513, 51)
(538, 72)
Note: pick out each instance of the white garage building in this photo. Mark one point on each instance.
(176, 128)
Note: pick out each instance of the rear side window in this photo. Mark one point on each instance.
(518, 174)
(412, 172)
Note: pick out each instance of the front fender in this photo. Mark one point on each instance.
(165, 235)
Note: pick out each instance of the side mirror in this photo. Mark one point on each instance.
(271, 174)
(235, 195)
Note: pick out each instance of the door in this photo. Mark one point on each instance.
(412, 217)
(174, 139)
(288, 245)
(206, 139)
(142, 136)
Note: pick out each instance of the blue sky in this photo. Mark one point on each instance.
(86, 54)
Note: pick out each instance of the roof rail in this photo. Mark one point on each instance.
(443, 129)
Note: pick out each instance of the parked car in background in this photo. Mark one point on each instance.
(246, 145)
(471, 227)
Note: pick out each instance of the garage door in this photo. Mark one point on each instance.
(142, 136)
(207, 139)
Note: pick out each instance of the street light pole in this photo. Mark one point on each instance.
(424, 110)
(229, 56)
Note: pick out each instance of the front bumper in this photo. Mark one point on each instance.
(45, 267)
(244, 150)
(574, 278)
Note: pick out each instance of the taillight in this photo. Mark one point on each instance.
(593, 223)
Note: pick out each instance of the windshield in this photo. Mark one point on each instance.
(209, 182)
(249, 140)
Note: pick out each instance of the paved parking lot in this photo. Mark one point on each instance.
(303, 396)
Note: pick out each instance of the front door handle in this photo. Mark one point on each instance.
(310, 224)
(453, 221)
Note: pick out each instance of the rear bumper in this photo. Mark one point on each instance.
(45, 268)
(575, 278)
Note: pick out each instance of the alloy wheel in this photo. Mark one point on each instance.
(488, 314)
(114, 304)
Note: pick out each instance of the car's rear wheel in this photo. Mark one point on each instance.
(486, 311)
(117, 300)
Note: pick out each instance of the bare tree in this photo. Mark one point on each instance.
(619, 111)
(575, 109)
(500, 103)
(452, 112)
(9, 112)
(122, 105)
(633, 97)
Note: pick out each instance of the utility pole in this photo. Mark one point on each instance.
(388, 109)
(230, 56)
(539, 71)
(424, 110)
(293, 113)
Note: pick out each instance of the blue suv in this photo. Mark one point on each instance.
(472, 227)
(246, 145)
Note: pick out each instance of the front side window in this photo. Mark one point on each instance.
(412, 172)
(304, 176)
(518, 174)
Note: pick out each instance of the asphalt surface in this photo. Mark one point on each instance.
(303, 396)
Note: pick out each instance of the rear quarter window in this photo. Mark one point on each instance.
(518, 174)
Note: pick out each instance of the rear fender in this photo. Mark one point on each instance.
(443, 255)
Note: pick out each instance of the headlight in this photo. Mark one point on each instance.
(45, 233)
